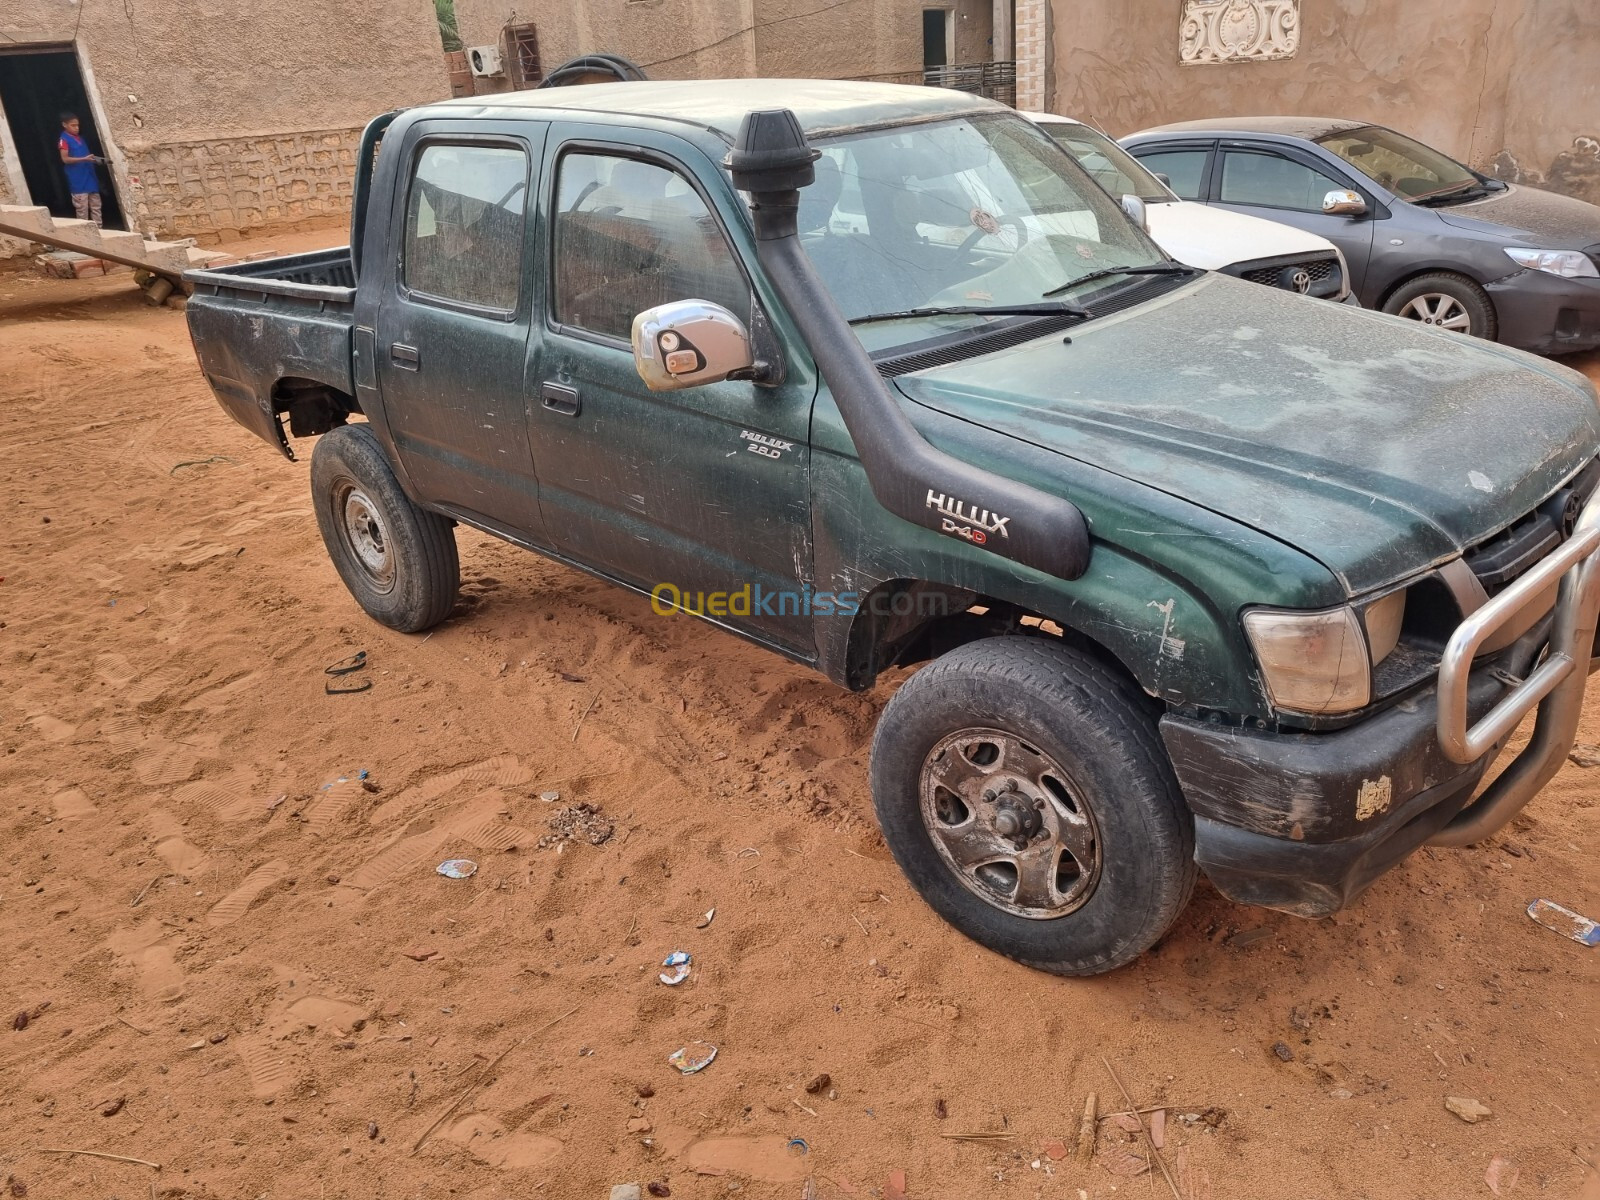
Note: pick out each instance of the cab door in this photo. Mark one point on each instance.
(451, 335)
(694, 493)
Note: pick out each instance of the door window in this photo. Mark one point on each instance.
(630, 235)
(464, 221)
(1273, 182)
(1185, 168)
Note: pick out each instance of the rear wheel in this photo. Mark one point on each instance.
(399, 561)
(1023, 789)
(1448, 301)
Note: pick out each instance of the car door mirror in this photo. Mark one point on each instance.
(1344, 204)
(689, 343)
(1137, 213)
(1163, 179)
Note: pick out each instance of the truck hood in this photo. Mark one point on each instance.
(1374, 445)
(1538, 218)
(1213, 238)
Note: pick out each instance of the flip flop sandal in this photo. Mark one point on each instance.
(345, 666)
(360, 686)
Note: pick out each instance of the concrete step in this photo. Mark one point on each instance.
(31, 218)
(84, 235)
(122, 242)
(202, 258)
(168, 256)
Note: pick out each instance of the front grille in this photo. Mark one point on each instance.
(1325, 277)
(1505, 557)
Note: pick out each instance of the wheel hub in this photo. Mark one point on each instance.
(1016, 818)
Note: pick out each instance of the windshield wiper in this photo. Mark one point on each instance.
(1059, 308)
(1169, 268)
(1456, 195)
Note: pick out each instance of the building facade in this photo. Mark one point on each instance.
(895, 40)
(1511, 87)
(218, 117)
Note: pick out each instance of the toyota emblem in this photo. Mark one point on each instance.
(1302, 281)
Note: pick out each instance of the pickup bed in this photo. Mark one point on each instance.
(1198, 575)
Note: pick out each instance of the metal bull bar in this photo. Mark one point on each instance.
(1555, 687)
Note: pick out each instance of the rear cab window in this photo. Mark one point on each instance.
(1184, 169)
(464, 226)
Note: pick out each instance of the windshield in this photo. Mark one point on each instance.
(1108, 164)
(1394, 161)
(975, 212)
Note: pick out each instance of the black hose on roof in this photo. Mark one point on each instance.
(575, 69)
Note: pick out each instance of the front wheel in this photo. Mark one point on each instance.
(1448, 301)
(399, 561)
(1023, 789)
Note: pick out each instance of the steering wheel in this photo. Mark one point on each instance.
(979, 232)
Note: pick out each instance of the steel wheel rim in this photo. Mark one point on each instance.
(1436, 308)
(365, 535)
(977, 790)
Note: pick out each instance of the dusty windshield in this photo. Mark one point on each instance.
(1405, 167)
(1108, 164)
(973, 212)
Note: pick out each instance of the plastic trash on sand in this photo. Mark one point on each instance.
(677, 964)
(457, 868)
(696, 1056)
(1564, 921)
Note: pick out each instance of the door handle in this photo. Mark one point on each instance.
(559, 398)
(405, 356)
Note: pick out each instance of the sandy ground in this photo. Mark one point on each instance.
(258, 981)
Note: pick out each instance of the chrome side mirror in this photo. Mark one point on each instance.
(688, 343)
(1137, 213)
(1344, 204)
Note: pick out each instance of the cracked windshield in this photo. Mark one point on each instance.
(971, 214)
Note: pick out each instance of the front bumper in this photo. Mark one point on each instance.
(1304, 822)
(1546, 313)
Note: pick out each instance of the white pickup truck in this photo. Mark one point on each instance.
(1250, 248)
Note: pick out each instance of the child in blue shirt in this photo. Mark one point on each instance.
(83, 181)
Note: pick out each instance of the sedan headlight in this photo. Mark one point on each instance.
(1321, 662)
(1569, 264)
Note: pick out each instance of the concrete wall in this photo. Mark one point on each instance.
(1510, 85)
(231, 115)
(714, 39)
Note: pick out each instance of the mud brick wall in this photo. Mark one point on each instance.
(234, 185)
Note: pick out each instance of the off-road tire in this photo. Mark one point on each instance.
(1100, 728)
(415, 586)
(1471, 298)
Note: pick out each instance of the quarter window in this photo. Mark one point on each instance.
(1186, 169)
(464, 224)
(630, 235)
(1273, 182)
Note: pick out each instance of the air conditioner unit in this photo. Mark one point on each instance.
(485, 61)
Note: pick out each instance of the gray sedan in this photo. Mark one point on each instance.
(1424, 236)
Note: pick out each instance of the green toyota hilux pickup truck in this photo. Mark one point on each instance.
(1206, 577)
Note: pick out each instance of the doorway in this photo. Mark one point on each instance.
(36, 87)
(938, 30)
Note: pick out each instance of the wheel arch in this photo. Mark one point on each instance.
(902, 622)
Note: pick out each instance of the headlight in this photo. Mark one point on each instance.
(1569, 264)
(1311, 662)
(1321, 662)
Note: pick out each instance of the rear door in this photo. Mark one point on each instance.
(1281, 184)
(701, 492)
(452, 327)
